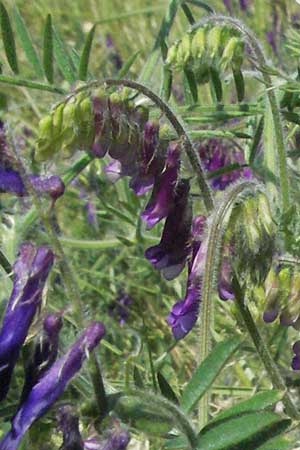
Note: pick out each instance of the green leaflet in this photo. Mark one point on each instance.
(48, 49)
(26, 43)
(85, 55)
(63, 59)
(166, 389)
(258, 402)
(127, 65)
(243, 432)
(206, 373)
(8, 39)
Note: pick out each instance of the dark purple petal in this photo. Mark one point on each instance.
(161, 202)
(68, 423)
(244, 5)
(53, 383)
(296, 362)
(31, 270)
(44, 354)
(120, 307)
(150, 164)
(171, 253)
(118, 439)
(11, 182)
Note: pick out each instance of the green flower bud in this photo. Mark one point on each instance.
(44, 148)
(228, 52)
(172, 55)
(214, 40)
(85, 123)
(238, 56)
(183, 51)
(198, 45)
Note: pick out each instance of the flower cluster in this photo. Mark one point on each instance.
(45, 376)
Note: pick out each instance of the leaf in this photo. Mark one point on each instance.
(244, 432)
(127, 65)
(8, 39)
(191, 81)
(201, 4)
(188, 13)
(63, 58)
(216, 83)
(239, 84)
(166, 389)
(177, 443)
(278, 443)
(206, 373)
(16, 81)
(137, 377)
(256, 140)
(26, 43)
(167, 83)
(85, 55)
(258, 402)
(48, 49)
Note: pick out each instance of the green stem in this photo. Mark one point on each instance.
(5, 264)
(278, 129)
(178, 416)
(264, 353)
(176, 123)
(70, 283)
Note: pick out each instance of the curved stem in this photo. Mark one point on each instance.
(178, 416)
(278, 129)
(264, 353)
(176, 123)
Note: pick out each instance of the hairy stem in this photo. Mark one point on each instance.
(264, 353)
(214, 243)
(278, 129)
(176, 123)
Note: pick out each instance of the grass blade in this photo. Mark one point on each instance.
(8, 39)
(26, 43)
(48, 49)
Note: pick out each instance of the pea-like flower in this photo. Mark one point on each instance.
(184, 313)
(44, 352)
(215, 155)
(52, 384)
(68, 423)
(30, 273)
(161, 202)
(118, 439)
(171, 254)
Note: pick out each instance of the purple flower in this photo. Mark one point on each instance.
(114, 55)
(68, 423)
(184, 313)
(120, 307)
(53, 383)
(227, 4)
(271, 38)
(118, 439)
(215, 155)
(171, 253)
(44, 354)
(161, 202)
(244, 5)
(30, 273)
(150, 164)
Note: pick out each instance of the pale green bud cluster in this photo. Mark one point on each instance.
(218, 47)
(69, 127)
(254, 231)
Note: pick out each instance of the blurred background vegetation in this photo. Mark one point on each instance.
(107, 251)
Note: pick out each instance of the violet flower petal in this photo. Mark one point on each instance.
(162, 200)
(171, 253)
(52, 385)
(31, 270)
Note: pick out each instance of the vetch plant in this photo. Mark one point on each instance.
(195, 182)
